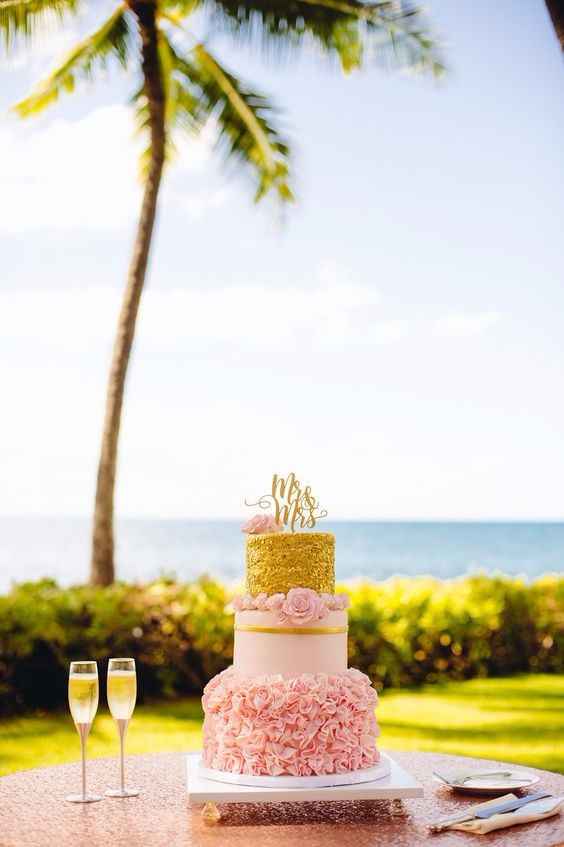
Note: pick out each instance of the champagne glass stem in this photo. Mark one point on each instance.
(83, 730)
(122, 728)
(83, 754)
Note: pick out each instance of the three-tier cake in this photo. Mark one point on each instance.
(289, 705)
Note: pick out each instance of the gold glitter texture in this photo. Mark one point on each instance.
(277, 562)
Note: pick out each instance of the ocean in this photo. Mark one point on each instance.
(34, 547)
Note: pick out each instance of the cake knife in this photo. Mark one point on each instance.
(486, 810)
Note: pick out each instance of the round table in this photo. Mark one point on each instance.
(33, 812)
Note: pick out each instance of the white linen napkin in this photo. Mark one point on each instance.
(535, 811)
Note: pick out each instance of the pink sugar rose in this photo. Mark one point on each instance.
(274, 602)
(261, 601)
(243, 603)
(261, 525)
(335, 602)
(322, 608)
(301, 606)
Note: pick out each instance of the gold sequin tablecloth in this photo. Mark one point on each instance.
(33, 812)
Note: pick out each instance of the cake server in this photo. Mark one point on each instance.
(486, 810)
(469, 814)
(511, 805)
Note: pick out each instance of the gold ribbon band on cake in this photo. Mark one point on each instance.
(293, 630)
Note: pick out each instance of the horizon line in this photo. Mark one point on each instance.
(224, 519)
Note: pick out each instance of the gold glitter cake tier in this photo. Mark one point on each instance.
(277, 562)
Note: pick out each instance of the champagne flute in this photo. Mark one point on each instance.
(122, 693)
(83, 702)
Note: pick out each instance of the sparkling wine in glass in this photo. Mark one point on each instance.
(83, 702)
(122, 694)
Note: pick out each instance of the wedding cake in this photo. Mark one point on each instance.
(289, 705)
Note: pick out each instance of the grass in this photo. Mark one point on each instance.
(518, 719)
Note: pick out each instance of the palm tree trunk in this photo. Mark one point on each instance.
(102, 562)
(556, 11)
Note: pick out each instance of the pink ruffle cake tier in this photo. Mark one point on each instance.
(307, 725)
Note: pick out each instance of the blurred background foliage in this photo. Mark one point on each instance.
(403, 632)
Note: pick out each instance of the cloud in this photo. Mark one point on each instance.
(329, 311)
(464, 325)
(81, 174)
(69, 175)
(325, 316)
(49, 45)
(197, 203)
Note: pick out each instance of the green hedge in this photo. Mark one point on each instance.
(402, 632)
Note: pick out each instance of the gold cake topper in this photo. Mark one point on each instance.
(294, 505)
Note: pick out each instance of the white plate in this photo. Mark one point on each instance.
(495, 785)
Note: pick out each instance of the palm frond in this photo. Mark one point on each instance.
(246, 124)
(113, 40)
(199, 90)
(20, 19)
(178, 8)
(181, 107)
(391, 32)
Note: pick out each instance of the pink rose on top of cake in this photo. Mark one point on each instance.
(261, 601)
(336, 602)
(261, 525)
(275, 602)
(243, 603)
(301, 606)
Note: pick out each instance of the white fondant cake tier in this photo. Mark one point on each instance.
(289, 654)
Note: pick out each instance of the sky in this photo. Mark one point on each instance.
(396, 340)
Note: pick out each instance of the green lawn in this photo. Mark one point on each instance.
(520, 719)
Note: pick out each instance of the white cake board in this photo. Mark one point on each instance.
(324, 781)
(397, 785)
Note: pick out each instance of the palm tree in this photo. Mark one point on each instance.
(181, 86)
(556, 12)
